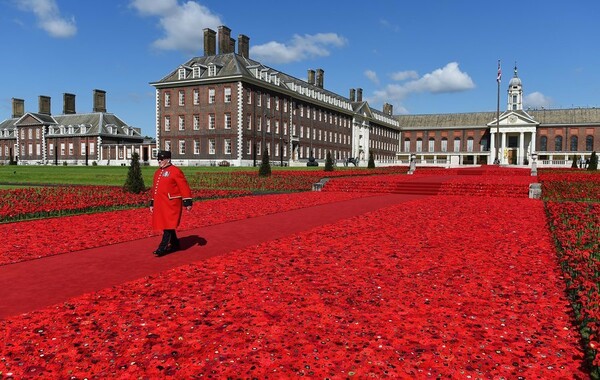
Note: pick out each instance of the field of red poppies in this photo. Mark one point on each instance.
(441, 287)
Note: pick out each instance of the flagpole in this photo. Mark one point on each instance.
(498, 79)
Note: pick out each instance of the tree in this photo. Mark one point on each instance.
(328, 163)
(574, 163)
(135, 181)
(371, 164)
(593, 162)
(265, 166)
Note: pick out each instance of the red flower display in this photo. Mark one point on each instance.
(402, 292)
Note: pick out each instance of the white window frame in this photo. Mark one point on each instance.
(212, 146)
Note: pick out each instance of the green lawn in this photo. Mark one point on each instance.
(19, 176)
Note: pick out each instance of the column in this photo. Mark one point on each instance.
(521, 155)
(492, 147)
(502, 148)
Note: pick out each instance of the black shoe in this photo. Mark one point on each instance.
(159, 252)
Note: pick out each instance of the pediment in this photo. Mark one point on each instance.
(514, 119)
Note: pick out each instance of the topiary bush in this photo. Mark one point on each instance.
(135, 181)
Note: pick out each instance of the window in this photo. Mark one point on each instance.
(30, 146)
(196, 146)
(227, 121)
(470, 144)
(211, 146)
(30, 133)
(431, 147)
(444, 146)
(589, 143)
(249, 97)
(181, 123)
(211, 121)
(71, 151)
(167, 123)
(248, 122)
(419, 145)
(543, 143)
(258, 149)
(196, 96)
(181, 73)
(181, 98)
(574, 141)
(227, 95)
(268, 125)
(259, 124)
(167, 99)
(182, 147)
(62, 149)
(211, 95)
(277, 153)
(167, 144)
(456, 144)
(196, 72)
(50, 149)
(558, 143)
(196, 122)
(268, 101)
(83, 148)
(212, 70)
(258, 99)
(37, 134)
(407, 145)
(249, 147)
(277, 126)
(92, 151)
(227, 149)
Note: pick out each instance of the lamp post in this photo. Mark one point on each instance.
(499, 77)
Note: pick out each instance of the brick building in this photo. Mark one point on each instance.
(227, 107)
(72, 138)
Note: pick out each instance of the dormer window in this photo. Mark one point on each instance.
(196, 72)
(181, 73)
(82, 129)
(212, 70)
(71, 129)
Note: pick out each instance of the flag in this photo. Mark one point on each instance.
(499, 73)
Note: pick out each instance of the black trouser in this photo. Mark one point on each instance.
(169, 237)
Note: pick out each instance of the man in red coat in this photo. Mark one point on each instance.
(170, 193)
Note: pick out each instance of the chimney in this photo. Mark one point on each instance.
(99, 101)
(311, 76)
(352, 95)
(388, 109)
(320, 74)
(231, 45)
(68, 104)
(224, 39)
(44, 105)
(18, 106)
(359, 94)
(210, 42)
(244, 46)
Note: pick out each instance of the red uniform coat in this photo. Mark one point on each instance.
(169, 189)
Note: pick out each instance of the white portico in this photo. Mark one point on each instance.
(512, 135)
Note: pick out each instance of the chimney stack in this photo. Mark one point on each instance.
(244, 46)
(311, 76)
(44, 105)
(224, 39)
(388, 109)
(352, 95)
(99, 101)
(320, 74)
(18, 107)
(68, 104)
(210, 42)
(359, 94)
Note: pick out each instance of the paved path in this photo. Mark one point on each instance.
(35, 284)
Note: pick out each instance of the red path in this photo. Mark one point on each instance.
(35, 284)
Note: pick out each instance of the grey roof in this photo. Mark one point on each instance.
(573, 116)
(96, 123)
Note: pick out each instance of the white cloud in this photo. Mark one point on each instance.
(299, 48)
(372, 75)
(404, 75)
(49, 17)
(445, 80)
(537, 100)
(182, 23)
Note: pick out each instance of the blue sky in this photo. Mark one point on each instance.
(428, 56)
